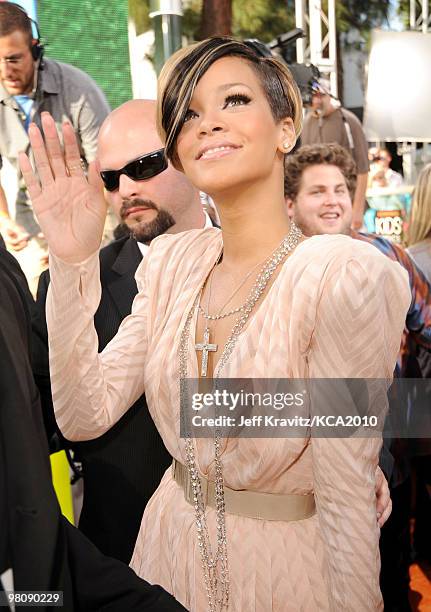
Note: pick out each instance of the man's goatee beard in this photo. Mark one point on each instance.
(146, 232)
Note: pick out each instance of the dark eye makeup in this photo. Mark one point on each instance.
(189, 115)
(236, 100)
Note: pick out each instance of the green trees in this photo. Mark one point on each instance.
(263, 19)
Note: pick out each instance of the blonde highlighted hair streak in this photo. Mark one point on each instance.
(184, 69)
(420, 214)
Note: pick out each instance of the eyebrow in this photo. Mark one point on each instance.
(317, 186)
(229, 85)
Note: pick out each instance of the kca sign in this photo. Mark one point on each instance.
(387, 213)
(389, 224)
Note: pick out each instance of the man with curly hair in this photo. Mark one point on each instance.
(319, 186)
(327, 121)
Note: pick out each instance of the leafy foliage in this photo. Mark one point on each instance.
(262, 19)
(362, 15)
(192, 18)
(265, 19)
(139, 11)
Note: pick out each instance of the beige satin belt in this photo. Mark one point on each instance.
(252, 504)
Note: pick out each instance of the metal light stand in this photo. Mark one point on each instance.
(319, 47)
(412, 159)
(166, 17)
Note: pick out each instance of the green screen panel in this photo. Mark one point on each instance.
(91, 35)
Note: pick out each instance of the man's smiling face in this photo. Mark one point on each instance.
(323, 204)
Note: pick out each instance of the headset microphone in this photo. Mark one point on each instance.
(37, 47)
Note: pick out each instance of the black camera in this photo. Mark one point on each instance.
(306, 75)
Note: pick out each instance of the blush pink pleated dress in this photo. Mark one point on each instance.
(337, 309)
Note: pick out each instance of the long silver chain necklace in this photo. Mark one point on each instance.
(206, 346)
(215, 566)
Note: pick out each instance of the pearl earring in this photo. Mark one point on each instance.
(286, 145)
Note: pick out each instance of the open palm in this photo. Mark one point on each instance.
(70, 210)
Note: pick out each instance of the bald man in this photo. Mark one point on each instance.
(165, 202)
(123, 468)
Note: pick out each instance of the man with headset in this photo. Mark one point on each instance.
(328, 122)
(30, 84)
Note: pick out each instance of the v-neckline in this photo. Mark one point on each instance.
(194, 369)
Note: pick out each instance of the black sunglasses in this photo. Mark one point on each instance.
(141, 169)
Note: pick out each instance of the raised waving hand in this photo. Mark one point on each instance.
(70, 209)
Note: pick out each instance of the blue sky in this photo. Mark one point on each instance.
(395, 22)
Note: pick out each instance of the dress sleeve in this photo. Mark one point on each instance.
(360, 314)
(92, 391)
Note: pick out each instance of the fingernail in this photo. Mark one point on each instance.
(379, 514)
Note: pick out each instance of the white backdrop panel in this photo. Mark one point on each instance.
(398, 97)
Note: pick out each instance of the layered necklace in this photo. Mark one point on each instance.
(206, 346)
(215, 565)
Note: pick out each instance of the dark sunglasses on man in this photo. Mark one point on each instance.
(140, 169)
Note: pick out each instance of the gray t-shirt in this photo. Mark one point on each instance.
(332, 129)
(68, 94)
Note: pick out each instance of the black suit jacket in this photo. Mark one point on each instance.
(122, 468)
(43, 549)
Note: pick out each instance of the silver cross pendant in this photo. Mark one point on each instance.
(205, 347)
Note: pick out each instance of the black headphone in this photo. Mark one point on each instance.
(37, 48)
